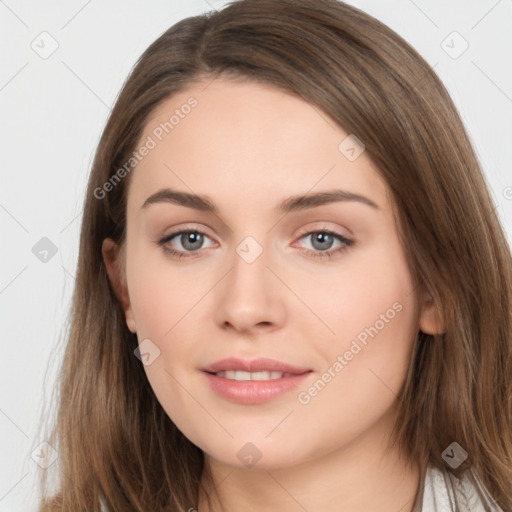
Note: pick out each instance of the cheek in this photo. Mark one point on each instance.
(363, 375)
(162, 294)
(369, 291)
(367, 363)
(165, 303)
(372, 309)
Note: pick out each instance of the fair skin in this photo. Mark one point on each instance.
(248, 147)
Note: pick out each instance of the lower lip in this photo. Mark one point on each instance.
(251, 392)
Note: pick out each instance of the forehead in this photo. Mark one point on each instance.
(238, 140)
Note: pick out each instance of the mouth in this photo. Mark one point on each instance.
(252, 382)
(240, 375)
(255, 367)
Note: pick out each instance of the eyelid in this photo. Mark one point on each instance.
(323, 229)
(187, 228)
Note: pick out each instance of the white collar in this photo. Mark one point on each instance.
(440, 487)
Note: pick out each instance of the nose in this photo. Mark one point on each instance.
(250, 297)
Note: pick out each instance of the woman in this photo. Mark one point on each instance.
(257, 369)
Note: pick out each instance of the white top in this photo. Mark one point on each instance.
(439, 490)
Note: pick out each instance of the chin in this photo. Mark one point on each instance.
(256, 454)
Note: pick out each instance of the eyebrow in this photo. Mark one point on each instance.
(290, 204)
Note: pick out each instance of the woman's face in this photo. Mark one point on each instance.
(321, 284)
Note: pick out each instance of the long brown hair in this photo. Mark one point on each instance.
(113, 438)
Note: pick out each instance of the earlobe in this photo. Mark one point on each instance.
(431, 320)
(112, 255)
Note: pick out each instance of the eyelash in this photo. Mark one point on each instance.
(316, 254)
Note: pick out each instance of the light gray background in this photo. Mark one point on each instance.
(53, 110)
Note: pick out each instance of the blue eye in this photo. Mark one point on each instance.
(192, 241)
(323, 241)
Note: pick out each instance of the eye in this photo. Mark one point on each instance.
(190, 240)
(322, 242)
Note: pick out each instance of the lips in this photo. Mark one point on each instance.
(255, 381)
(254, 365)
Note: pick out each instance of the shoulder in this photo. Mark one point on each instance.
(444, 492)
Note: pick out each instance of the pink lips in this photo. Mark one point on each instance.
(252, 392)
(255, 365)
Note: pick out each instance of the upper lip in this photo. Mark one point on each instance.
(253, 365)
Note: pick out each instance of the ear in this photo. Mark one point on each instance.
(431, 320)
(113, 257)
